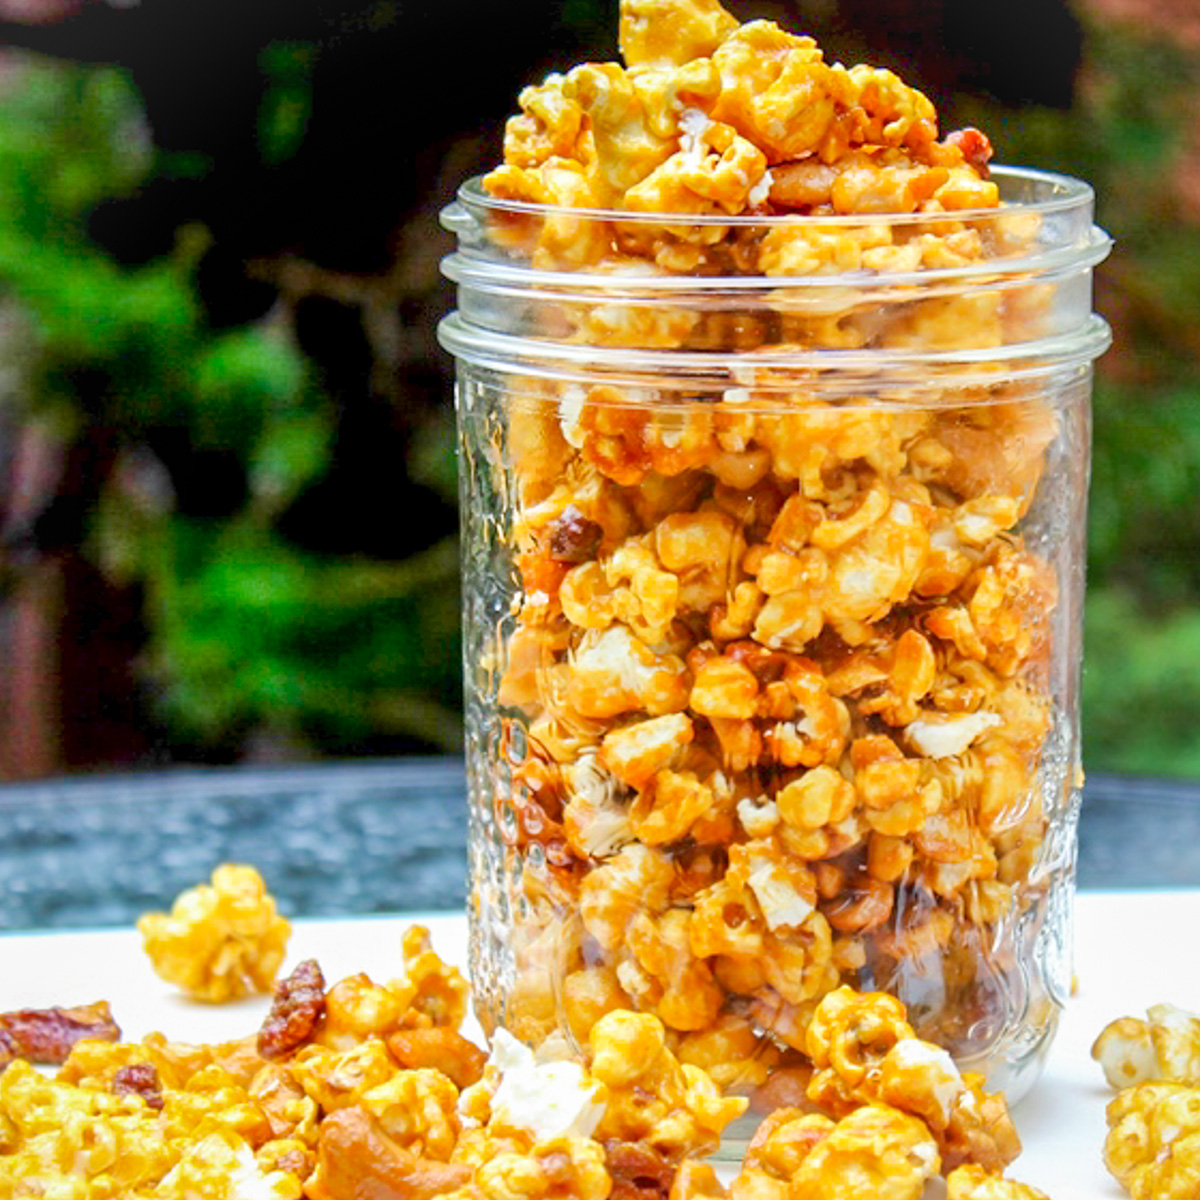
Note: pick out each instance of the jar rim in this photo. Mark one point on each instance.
(1064, 192)
(1074, 244)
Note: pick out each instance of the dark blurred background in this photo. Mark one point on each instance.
(227, 493)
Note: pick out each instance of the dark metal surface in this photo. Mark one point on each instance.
(383, 836)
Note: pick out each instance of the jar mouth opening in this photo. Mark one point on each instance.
(1058, 193)
(1068, 242)
(775, 369)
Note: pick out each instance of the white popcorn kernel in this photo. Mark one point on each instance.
(780, 902)
(693, 125)
(602, 819)
(247, 1182)
(570, 410)
(758, 194)
(758, 817)
(549, 1100)
(936, 1066)
(940, 735)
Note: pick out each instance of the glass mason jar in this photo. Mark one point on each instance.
(773, 545)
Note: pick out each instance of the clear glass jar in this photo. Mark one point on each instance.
(773, 537)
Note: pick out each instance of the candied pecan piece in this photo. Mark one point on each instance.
(975, 145)
(139, 1079)
(46, 1035)
(638, 1170)
(573, 538)
(298, 1005)
(441, 1048)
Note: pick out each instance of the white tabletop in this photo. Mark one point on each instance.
(1133, 949)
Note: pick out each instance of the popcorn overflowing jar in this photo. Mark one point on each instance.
(774, 458)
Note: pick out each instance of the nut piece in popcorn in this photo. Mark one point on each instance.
(221, 940)
(1165, 1047)
(298, 1005)
(46, 1035)
(355, 1159)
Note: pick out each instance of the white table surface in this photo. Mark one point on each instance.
(1133, 949)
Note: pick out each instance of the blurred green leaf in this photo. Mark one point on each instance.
(287, 102)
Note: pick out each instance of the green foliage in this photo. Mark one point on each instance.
(247, 628)
(1141, 686)
(1128, 138)
(287, 104)
(245, 631)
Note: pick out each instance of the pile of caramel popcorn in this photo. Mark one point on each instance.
(775, 688)
(1153, 1145)
(369, 1090)
(352, 1083)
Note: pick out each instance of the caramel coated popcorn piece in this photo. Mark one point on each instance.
(1165, 1047)
(655, 33)
(222, 940)
(613, 673)
(555, 1167)
(1153, 1144)
(433, 992)
(874, 1153)
(974, 1183)
(651, 1096)
(864, 1051)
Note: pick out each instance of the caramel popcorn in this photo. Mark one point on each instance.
(972, 1182)
(1163, 1048)
(623, 1123)
(1153, 1144)
(873, 1153)
(357, 1083)
(864, 1052)
(771, 664)
(90, 1143)
(221, 940)
(652, 1097)
(367, 1087)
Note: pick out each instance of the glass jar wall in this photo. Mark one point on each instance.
(773, 534)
